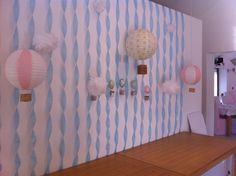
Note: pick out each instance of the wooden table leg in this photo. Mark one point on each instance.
(233, 165)
(228, 125)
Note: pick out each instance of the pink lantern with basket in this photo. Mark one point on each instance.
(191, 74)
(25, 69)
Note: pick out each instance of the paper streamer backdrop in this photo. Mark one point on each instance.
(61, 127)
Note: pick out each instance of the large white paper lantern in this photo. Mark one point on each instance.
(141, 44)
(25, 69)
(191, 74)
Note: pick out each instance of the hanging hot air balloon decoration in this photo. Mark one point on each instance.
(191, 74)
(25, 69)
(141, 44)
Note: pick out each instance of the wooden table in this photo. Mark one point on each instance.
(182, 154)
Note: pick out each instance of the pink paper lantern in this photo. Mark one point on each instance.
(191, 74)
(25, 69)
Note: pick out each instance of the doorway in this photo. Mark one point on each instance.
(220, 80)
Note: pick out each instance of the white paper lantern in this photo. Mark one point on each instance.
(25, 69)
(141, 44)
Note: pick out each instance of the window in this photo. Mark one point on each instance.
(216, 82)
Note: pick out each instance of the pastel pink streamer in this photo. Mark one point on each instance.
(24, 69)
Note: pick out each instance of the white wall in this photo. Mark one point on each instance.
(219, 32)
(56, 134)
(192, 101)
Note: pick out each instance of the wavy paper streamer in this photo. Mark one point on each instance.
(126, 108)
(16, 120)
(176, 69)
(150, 77)
(76, 77)
(117, 78)
(88, 64)
(108, 77)
(164, 71)
(31, 29)
(49, 99)
(98, 107)
(135, 104)
(142, 108)
(170, 72)
(182, 65)
(63, 83)
(157, 70)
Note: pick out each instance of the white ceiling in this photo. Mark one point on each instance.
(196, 8)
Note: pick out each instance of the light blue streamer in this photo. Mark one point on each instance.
(49, 99)
(142, 109)
(63, 82)
(31, 29)
(108, 77)
(170, 72)
(88, 64)
(16, 12)
(31, 25)
(164, 70)
(150, 77)
(98, 108)
(157, 70)
(126, 109)
(182, 64)
(34, 138)
(176, 69)
(135, 104)
(76, 77)
(117, 77)
(16, 116)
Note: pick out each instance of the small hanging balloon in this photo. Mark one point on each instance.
(146, 92)
(134, 85)
(191, 74)
(147, 89)
(111, 85)
(122, 85)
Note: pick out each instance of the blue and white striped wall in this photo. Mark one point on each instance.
(61, 127)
